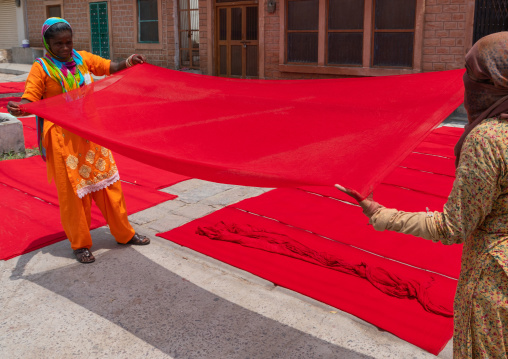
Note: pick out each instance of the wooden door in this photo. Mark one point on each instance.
(237, 41)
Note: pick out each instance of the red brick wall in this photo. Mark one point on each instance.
(444, 35)
(122, 40)
(444, 43)
(443, 39)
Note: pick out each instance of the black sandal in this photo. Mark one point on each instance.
(83, 255)
(138, 240)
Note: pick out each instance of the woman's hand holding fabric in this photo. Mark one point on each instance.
(368, 204)
(15, 109)
(138, 59)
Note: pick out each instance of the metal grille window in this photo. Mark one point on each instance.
(490, 16)
(189, 33)
(352, 33)
(394, 32)
(148, 21)
(99, 29)
(302, 30)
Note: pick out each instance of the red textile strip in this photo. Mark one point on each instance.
(390, 196)
(29, 131)
(12, 87)
(441, 139)
(5, 100)
(346, 224)
(282, 133)
(26, 223)
(430, 163)
(144, 175)
(450, 131)
(437, 149)
(402, 317)
(28, 178)
(430, 183)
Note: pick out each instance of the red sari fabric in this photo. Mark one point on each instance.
(29, 212)
(404, 317)
(284, 133)
(12, 87)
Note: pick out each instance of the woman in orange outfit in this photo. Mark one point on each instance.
(82, 170)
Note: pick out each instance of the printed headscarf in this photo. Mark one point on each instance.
(70, 74)
(485, 83)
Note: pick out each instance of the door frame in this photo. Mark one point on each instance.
(214, 65)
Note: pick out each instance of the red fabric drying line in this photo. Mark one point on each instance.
(346, 224)
(29, 212)
(284, 133)
(12, 87)
(279, 243)
(402, 317)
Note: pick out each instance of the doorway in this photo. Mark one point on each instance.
(237, 41)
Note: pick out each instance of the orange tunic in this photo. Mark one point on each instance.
(90, 167)
(82, 170)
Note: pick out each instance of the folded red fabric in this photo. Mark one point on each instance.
(280, 243)
(287, 133)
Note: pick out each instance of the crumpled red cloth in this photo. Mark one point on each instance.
(267, 133)
(388, 283)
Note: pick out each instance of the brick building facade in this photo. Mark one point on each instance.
(274, 39)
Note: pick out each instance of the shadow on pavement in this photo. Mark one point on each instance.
(174, 315)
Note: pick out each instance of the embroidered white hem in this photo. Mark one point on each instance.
(97, 186)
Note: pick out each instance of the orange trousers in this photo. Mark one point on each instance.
(75, 211)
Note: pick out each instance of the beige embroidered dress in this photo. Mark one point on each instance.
(476, 214)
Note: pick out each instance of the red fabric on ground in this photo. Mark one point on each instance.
(430, 163)
(437, 149)
(260, 132)
(29, 122)
(450, 131)
(28, 177)
(29, 131)
(402, 317)
(347, 224)
(5, 100)
(390, 196)
(26, 223)
(12, 87)
(143, 175)
(441, 139)
(435, 184)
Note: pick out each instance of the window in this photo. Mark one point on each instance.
(54, 8)
(54, 11)
(189, 33)
(354, 37)
(148, 21)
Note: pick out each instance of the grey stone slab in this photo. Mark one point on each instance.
(195, 210)
(11, 135)
(184, 186)
(167, 223)
(233, 195)
(157, 212)
(198, 194)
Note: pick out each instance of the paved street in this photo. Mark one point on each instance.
(166, 301)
